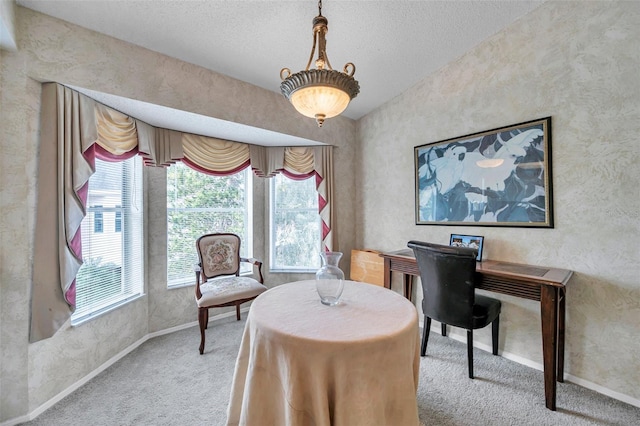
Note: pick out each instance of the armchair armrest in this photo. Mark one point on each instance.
(254, 262)
(197, 269)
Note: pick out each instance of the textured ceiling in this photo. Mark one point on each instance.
(394, 44)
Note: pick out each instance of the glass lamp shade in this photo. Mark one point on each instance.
(326, 101)
(319, 94)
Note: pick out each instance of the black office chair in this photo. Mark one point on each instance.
(448, 275)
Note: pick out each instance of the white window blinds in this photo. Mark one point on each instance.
(295, 225)
(112, 239)
(199, 204)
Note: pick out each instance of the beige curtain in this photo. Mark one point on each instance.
(323, 159)
(215, 155)
(117, 132)
(159, 147)
(299, 160)
(71, 124)
(269, 161)
(302, 161)
(68, 129)
(266, 162)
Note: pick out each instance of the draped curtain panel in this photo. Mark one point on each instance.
(158, 147)
(304, 162)
(266, 162)
(75, 130)
(68, 129)
(324, 184)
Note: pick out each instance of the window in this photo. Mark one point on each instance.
(98, 220)
(295, 225)
(199, 204)
(118, 225)
(112, 272)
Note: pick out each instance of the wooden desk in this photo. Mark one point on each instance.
(546, 285)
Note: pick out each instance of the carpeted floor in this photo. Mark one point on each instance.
(166, 382)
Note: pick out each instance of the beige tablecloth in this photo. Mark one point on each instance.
(304, 363)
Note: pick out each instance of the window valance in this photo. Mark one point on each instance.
(76, 129)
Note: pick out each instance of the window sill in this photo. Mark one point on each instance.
(97, 313)
(191, 282)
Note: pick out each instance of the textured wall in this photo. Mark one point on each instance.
(7, 19)
(52, 50)
(577, 62)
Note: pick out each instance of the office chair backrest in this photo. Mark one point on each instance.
(447, 274)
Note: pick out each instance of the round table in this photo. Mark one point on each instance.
(305, 363)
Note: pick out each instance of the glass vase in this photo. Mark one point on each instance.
(330, 278)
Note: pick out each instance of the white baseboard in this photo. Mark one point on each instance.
(16, 421)
(601, 389)
(50, 403)
(513, 357)
(535, 365)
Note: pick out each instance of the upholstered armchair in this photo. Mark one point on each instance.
(218, 280)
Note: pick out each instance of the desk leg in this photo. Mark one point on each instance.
(549, 314)
(562, 294)
(408, 286)
(387, 273)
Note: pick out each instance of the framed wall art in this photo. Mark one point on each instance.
(499, 177)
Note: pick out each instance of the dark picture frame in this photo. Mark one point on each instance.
(471, 241)
(498, 177)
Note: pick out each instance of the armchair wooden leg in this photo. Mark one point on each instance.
(206, 319)
(202, 319)
(444, 329)
(237, 312)
(470, 352)
(494, 334)
(425, 335)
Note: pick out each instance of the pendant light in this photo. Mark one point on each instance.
(322, 92)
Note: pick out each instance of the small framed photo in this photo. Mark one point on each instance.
(471, 241)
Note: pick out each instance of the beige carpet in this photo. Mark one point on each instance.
(166, 382)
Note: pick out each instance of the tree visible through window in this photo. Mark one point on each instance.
(199, 204)
(295, 225)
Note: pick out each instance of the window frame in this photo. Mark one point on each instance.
(98, 218)
(273, 267)
(117, 227)
(132, 201)
(246, 246)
